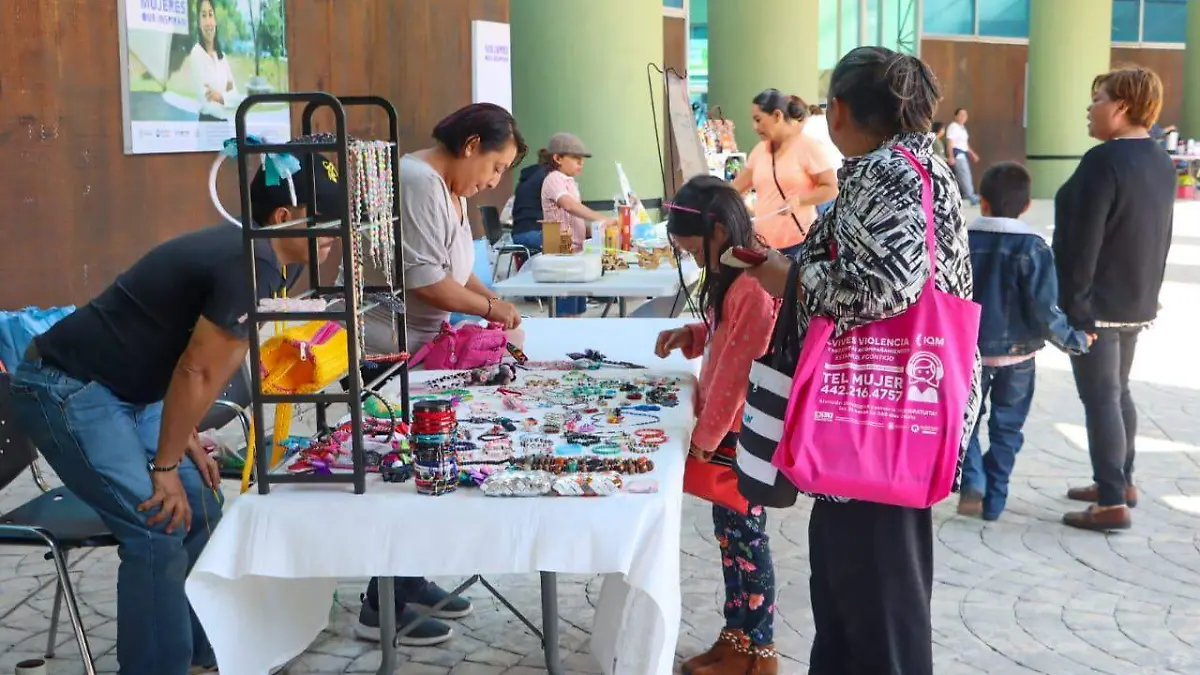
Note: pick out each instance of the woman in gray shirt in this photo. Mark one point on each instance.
(475, 147)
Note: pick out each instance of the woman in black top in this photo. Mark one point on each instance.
(1113, 221)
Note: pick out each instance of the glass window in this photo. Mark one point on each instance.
(949, 17)
(1004, 18)
(1165, 21)
(1125, 20)
(673, 4)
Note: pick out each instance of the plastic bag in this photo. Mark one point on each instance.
(19, 327)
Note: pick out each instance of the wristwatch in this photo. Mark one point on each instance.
(154, 468)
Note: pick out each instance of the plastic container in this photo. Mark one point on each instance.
(625, 217)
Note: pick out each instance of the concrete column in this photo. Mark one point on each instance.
(1070, 43)
(1190, 127)
(580, 66)
(758, 44)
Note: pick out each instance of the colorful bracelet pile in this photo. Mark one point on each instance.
(434, 458)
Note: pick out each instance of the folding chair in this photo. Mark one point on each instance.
(495, 230)
(56, 520)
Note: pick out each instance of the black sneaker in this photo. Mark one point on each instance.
(431, 594)
(429, 632)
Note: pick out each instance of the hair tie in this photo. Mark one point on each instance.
(277, 167)
(672, 206)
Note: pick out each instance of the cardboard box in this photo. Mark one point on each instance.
(556, 239)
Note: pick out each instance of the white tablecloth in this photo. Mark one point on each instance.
(264, 584)
(631, 283)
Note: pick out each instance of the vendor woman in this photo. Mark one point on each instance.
(558, 199)
(474, 148)
(112, 395)
(790, 172)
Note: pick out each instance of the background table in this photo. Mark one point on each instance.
(621, 284)
(263, 586)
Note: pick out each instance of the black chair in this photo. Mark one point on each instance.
(233, 404)
(56, 520)
(495, 230)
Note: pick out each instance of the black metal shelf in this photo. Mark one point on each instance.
(341, 224)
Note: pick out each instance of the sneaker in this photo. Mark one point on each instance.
(456, 607)
(428, 632)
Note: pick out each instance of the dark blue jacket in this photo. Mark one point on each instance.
(1016, 284)
(527, 200)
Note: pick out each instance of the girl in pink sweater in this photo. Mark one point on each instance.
(708, 217)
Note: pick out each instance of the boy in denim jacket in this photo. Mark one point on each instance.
(1016, 285)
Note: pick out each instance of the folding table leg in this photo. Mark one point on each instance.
(550, 623)
(387, 625)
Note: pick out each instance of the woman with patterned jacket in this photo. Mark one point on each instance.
(872, 564)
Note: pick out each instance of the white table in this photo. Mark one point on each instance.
(634, 282)
(263, 585)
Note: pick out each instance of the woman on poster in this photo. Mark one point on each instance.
(208, 67)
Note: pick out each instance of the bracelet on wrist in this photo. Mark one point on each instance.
(155, 468)
(488, 313)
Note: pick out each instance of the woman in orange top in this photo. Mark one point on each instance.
(789, 172)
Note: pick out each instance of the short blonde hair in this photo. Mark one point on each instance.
(1139, 89)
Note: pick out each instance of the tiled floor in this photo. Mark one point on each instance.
(1022, 596)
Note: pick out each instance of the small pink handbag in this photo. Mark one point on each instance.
(877, 413)
(464, 347)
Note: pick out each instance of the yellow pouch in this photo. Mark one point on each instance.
(304, 359)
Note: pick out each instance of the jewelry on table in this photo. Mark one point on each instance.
(607, 448)
(536, 443)
(651, 436)
(569, 450)
(582, 439)
(558, 465)
(587, 484)
(642, 447)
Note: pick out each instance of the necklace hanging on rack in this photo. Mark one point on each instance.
(358, 189)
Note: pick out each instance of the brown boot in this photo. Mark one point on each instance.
(1091, 494)
(745, 660)
(720, 649)
(1100, 518)
(970, 504)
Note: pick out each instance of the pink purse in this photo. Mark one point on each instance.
(877, 413)
(464, 347)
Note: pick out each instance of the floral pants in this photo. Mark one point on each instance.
(749, 573)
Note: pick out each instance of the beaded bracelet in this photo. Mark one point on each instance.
(569, 450)
(642, 447)
(582, 439)
(536, 443)
(651, 436)
(607, 449)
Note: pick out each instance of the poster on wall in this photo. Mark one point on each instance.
(491, 69)
(186, 66)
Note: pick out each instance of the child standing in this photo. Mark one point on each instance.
(1016, 284)
(706, 219)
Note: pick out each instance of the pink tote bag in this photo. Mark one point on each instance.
(876, 414)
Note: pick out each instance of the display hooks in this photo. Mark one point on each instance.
(662, 164)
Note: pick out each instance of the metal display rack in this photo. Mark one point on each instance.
(345, 227)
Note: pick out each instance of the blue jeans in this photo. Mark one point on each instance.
(99, 446)
(822, 208)
(1010, 390)
(574, 306)
(966, 181)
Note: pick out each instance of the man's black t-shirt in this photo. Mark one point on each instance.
(131, 336)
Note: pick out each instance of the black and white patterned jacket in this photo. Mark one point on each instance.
(878, 225)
